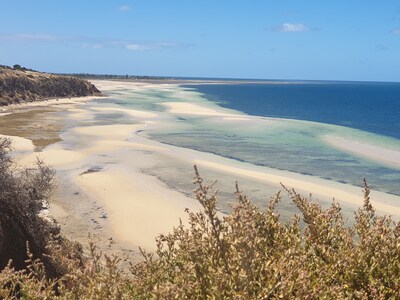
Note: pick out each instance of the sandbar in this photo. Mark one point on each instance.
(388, 157)
(195, 109)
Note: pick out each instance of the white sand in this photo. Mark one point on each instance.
(50, 102)
(118, 132)
(131, 112)
(375, 153)
(195, 109)
(139, 207)
(235, 119)
(20, 145)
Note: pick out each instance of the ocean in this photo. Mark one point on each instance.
(301, 127)
(368, 106)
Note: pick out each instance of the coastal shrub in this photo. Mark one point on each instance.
(252, 254)
(95, 277)
(249, 253)
(24, 215)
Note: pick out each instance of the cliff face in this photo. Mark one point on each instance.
(18, 85)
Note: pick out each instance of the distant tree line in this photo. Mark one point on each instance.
(16, 67)
(112, 76)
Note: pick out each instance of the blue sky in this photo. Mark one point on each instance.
(343, 40)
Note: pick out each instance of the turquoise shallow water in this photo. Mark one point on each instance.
(368, 106)
(286, 144)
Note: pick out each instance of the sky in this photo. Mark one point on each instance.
(260, 39)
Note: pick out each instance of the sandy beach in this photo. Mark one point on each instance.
(103, 190)
(45, 103)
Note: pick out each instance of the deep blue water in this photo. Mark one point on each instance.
(368, 106)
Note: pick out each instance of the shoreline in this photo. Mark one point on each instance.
(106, 191)
(342, 193)
(179, 81)
(46, 102)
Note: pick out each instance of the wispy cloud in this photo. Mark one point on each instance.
(380, 47)
(24, 37)
(133, 45)
(94, 43)
(143, 46)
(136, 47)
(94, 46)
(395, 31)
(124, 8)
(293, 27)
